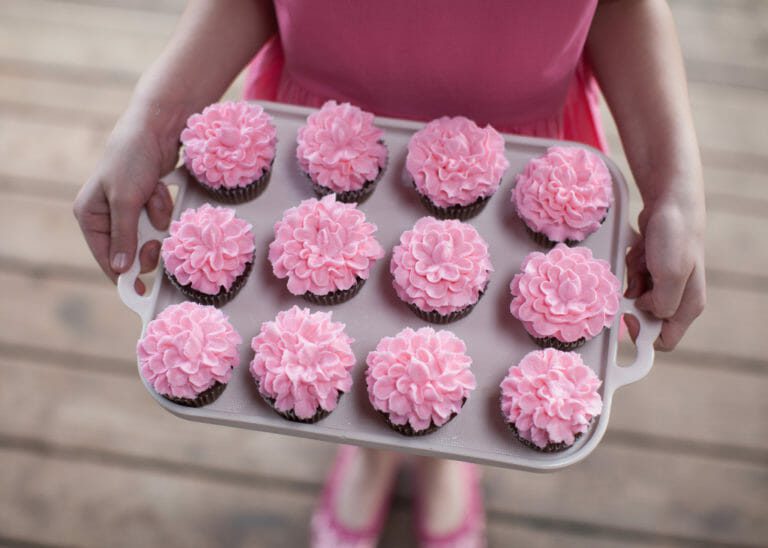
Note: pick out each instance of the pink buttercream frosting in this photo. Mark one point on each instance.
(454, 162)
(564, 194)
(440, 265)
(229, 144)
(303, 361)
(323, 246)
(188, 348)
(208, 248)
(566, 294)
(340, 148)
(419, 377)
(550, 397)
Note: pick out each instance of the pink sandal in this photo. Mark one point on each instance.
(471, 532)
(325, 529)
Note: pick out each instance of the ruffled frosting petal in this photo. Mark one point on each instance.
(208, 248)
(323, 246)
(229, 144)
(340, 148)
(440, 265)
(454, 162)
(566, 293)
(303, 361)
(550, 396)
(186, 349)
(564, 194)
(419, 377)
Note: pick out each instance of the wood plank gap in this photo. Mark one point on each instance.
(738, 281)
(725, 74)
(68, 73)
(58, 115)
(35, 187)
(737, 205)
(716, 360)
(147, 7)
(666, 444)
(12, 542)
(619, 534)
(47, 271)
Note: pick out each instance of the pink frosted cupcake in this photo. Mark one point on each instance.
(325, 249)
(564, 297)
(441, 269)
(419, 380)
(456, 166)
(549, 399)
(188, 352)
(302, 364)
(208, 254)
(342, 152)
(563, 196)
(229, 148)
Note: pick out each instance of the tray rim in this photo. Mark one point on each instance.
(616, 376)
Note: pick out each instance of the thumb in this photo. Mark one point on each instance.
(124, 221)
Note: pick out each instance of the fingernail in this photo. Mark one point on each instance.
(120, 261)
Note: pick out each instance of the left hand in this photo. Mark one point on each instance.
(665, 268)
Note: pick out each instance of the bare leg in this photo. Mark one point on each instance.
(444, 494)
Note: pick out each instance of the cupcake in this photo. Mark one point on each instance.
(229, 148)
(419, 380)
(302, 364)
(564, 297)
(564, 195)
(208, 254)
(325, 249)
(441, 269)
(188, 352)
(342, 152)
(456, 166)
(549, 399)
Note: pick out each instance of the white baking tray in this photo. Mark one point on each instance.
(495, 339)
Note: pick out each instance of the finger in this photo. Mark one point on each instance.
(148, 256)
(160, 206)
(692, 304)
(92, 214)
(139, 287)
(668, 283)
(633, 326)
(637, 272)
(124, 221)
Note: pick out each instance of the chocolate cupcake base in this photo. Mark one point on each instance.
(441, 319)
(240, 194)
(291, 415)
(219, 299)
(462, 213)
(407, 430)
(204, 398)
(349, 196)
(554, 342)
(549, 448)
(544, 241)
(335, 297)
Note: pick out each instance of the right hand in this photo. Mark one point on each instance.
(126, 179)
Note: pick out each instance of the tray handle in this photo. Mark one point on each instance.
(142, 305)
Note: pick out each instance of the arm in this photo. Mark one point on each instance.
(212, 43)
(636, 56)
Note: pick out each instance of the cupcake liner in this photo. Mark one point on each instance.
(544, 241)
(335, 297)
(441, 319)
(219, 299)
(349, 196)
(462, 213)
(549, 448)
(407, 430)
(204, 398)
(554, 342)
(240, 194)
(291, 415)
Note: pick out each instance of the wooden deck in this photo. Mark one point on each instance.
(86, 458)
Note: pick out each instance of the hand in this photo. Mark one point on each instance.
(665, 268)
(127, 178)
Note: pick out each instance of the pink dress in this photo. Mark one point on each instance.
(517, 65)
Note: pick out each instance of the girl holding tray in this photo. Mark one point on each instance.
(527, 67)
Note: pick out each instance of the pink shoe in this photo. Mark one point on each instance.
(471, 532)
(325, 529)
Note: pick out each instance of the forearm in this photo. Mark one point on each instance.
(634, 51)
(211, 44)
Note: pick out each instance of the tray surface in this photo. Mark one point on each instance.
(495, 339)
